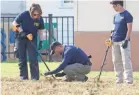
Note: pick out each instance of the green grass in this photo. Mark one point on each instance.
(12, 69)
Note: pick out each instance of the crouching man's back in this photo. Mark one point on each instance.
(75, 63)
(79, 64)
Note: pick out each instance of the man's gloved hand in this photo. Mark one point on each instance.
(47, 73)
(16, 52)
(40, 45)
(30, 37)
(19, 30)
(125, 44)
(60, 74)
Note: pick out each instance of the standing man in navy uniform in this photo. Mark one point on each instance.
(26, 26)
(75, 63)
(121, 54)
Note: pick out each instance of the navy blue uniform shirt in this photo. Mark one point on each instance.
(28, 24)
(72, 55)
(120, 22)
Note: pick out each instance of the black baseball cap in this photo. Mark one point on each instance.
(53, 46)
(115, 2)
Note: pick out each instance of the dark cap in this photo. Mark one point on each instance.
(53, 46)
(115, 2)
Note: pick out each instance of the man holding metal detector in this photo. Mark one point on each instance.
(26, 26)
(75, 63)
(121, 43)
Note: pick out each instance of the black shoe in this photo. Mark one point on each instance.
(60, 74)
(129, 82)
(68, 80)
(34, 79)
(85, 79)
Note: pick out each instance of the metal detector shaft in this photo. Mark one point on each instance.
(103, 64)
(7, 52)
(41, 58)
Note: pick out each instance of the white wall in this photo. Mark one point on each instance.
(93, 15)
(52, 7)
(133, 8)
(12, 7)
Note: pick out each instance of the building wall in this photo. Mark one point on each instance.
(55, 7)
(12, 6)
(93, 24)
(94, 16)
(93, 43)
(132, 6)
(98, 15)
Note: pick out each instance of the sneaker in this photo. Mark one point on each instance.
(34, 79)
(119, 82)
(129, 82)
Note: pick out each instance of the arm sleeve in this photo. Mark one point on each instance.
(27, 32)
(64, 63)
(19, 18)
(41, 26)
(129, 18)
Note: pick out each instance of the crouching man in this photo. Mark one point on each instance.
(75, 63)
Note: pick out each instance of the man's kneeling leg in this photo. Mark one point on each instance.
(77, 72)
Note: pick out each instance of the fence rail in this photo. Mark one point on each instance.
(59, 28)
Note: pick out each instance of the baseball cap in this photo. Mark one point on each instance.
(53, 46)
(115, 2)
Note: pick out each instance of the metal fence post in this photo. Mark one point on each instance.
(50, 28)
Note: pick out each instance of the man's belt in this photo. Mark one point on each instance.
(87, 63)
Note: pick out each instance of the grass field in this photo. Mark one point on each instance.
(11, 85)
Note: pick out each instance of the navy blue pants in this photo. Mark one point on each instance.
(24, 47)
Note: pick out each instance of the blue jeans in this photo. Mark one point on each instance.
(23, 47)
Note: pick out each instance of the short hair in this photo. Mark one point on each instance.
(53, 46)
(35, 7)
(115, 2)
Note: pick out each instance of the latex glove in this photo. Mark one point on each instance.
(47, 73)
(16, 52)
(125, 44)
(30, 37)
